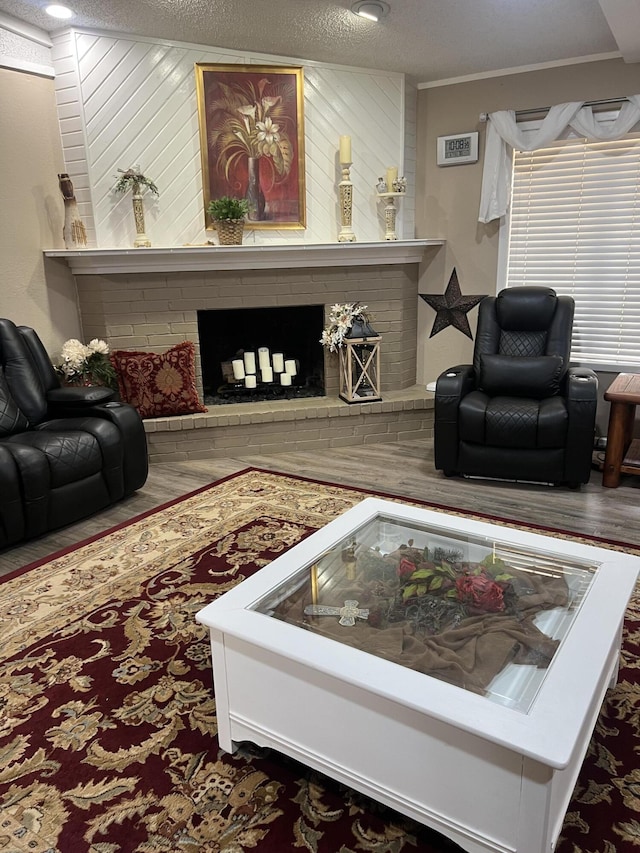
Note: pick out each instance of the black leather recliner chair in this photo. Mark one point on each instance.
(65, 453)
(519, 412)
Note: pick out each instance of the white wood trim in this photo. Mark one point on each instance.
(16, 64)
(21, 28)
(183, 258)
(520, 69)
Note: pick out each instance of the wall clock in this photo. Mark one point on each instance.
(459, 148)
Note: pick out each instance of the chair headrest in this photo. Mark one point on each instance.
(526, 309)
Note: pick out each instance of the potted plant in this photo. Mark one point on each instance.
(228, 215)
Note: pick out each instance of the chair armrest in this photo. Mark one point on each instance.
(451, 386)
(581, 384)
(582, 400)
(129, 422)
(79, 398)
(456, 382)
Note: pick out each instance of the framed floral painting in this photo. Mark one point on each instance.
(252, 140)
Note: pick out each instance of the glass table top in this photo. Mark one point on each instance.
(484, 615)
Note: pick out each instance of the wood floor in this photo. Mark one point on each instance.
(404, 469)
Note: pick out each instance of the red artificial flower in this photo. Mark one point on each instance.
(405, 569)
(481, 593)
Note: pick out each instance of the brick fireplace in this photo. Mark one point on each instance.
(143, 308)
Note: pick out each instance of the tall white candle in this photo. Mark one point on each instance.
(285, 379)
(267, 374)
(263, 358)
(250, 381)
(238, 368)
(278, 362)
(250, 362)
(392, 174)
(345, 149)
(290, 367)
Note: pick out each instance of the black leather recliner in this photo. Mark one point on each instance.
(65, 453)
(519, 412)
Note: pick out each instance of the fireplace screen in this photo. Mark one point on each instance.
(253, 354)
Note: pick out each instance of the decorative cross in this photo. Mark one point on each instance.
(348, 614)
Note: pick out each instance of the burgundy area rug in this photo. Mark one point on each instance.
(107, 716)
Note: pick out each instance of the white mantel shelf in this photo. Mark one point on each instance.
(245, 257)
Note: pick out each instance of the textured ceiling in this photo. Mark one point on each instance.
(427, 39)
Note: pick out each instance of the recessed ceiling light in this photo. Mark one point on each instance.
(372, 10)
(59, 12)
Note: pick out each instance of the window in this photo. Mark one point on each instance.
(574, 225)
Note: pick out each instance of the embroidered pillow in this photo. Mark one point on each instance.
(158, 384)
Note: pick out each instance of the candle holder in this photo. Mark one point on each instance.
(141, 241)
(390, 212)
(345, 190)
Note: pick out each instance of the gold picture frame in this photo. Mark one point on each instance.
(251, 120)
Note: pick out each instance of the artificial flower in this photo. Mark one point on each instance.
(86, 363)
(341, 319)
(481, 593)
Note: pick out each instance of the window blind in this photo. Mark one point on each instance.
(575, 227)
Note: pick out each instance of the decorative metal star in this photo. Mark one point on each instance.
(452, 307)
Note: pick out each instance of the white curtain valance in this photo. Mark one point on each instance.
(503, 134)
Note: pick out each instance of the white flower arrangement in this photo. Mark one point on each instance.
(86, 363)
(341, 320)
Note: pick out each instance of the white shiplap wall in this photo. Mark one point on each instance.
(125, 100)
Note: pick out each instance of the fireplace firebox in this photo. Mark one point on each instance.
(254, 354)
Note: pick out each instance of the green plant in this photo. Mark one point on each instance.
(227, 208)
(132, 179)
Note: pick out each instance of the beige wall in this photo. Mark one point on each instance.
(448, 198)
(32, 211)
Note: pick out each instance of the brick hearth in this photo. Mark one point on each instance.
(316, 423)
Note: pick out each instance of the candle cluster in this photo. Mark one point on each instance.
(267, 364)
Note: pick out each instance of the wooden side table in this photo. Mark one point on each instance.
(623, 452)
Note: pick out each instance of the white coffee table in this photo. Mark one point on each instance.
(493, 772)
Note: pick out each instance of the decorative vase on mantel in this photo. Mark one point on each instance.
(141, 241)
(134, 180)
(255, 196)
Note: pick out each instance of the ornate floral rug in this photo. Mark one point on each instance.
(107, 717)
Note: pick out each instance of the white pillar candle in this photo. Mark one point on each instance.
(278, 362)
(267, 374)
(290, 367)
(392, 174)
(250, 362)
(345, 149)
(263, 358)
(285, 379)
(238, 368)
(250, 381)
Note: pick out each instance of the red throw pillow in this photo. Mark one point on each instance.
(158, 384)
